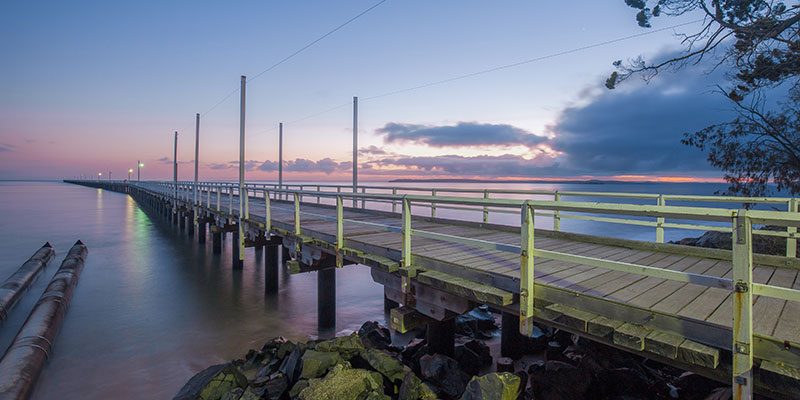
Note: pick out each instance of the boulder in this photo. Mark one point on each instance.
(387, 365)
(212, 383)
(298, 387)
(722, 240)
(556, 380)
(346, 346)
(235, 394)
(494, 386)
(413, 352)
(695, 387)
(345, 384)
(477, 323)
(630, 382)
(317, 363)
(413, 388)
(290, 366)
(374, 335)
(445, 373)
(473, 356)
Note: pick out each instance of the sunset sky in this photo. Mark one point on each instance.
(93, 86)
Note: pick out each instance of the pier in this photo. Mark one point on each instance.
(730, 315)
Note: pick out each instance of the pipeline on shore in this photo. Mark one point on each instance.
(16, 284)
(23, 361)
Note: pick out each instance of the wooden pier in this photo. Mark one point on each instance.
(730, 315)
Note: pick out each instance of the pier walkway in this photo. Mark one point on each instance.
(727, 314)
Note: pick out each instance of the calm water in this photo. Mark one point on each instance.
(153, 307)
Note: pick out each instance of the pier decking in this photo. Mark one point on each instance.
(730, 315)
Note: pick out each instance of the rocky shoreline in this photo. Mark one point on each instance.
(367, 365)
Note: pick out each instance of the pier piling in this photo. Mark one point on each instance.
(441, 336)
(216, 240)
(236, 262)
(326, 298)
(271, 269)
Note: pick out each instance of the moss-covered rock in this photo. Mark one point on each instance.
(493, 386)
(317, 363)
(414, 389)
(346, 346)
(343, 383)
(387, 365)
(213, 383)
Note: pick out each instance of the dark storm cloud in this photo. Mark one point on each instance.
(325, 165)
(463, 134)
(503, 165)
(638, 128)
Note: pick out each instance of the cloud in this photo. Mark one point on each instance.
(167, 160)
(325, 165)
(497, 166)
(6, 148)
(463, 134)
(638, 128)
(372, 151)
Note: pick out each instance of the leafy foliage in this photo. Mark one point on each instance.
(759, 40)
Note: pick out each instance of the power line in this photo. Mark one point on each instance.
(501, 67)
(302, 49)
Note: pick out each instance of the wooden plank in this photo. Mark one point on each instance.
(650, 297)
(767, 310)
(689, 291)
(466, 288)
(706, 302)
(613, 280)
(663, 343)
(724, 313)
(788, 326)
(631, 336)
(575, 282)
(695, 353)
(637, 288)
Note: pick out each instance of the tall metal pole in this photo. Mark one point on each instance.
(355, 148)
(280, 155)
(196, 163)
(241, 170)
(175, 167)
(138, 170)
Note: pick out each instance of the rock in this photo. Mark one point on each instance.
(505, 364)
(722, 240)
(235, 394)
(473, 356)
(694, 387)
(290, 366)
(413, 352)
(493, 386)
(557, 380)
(276, 386)
(346, 346)
(632, 382)
(444, 373)
(375, 336)
(297, 388)
(273, 344)
(387, 365)
(413, 388)
(317, 363)
(265, 372)
(345, 384)
(478, 323)
(212, 383)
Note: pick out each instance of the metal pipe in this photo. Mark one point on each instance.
(18, 282)
(23, 361)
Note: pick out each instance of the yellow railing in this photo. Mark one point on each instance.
(739, 222)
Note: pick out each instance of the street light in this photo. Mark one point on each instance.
(130, 171)
(99, 175)
(139, 165)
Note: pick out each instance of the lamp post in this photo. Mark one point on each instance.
(99, 175)
(139, 166)
(130, 171)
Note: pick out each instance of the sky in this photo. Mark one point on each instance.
(89, 87)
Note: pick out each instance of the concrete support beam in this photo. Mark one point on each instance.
(271, 266)
(326, 298)
(236, 262)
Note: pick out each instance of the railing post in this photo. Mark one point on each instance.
(556, 213)
(526, 289)
(246, 211)
(363, 199)
(433, 204)
(486, 208)
(219, 198)
(319, 198)
(230, 200)
(339, 230)
(791, 241)
(660, 222)
(267, 213)
(406, 261)
(394, 202)
(742, 307)
(297, 230)
(208, 197)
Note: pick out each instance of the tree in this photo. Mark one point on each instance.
(759, 41)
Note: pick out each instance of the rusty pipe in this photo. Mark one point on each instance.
(16, 284)
(23, 361)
